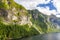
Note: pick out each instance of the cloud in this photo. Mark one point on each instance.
(46, 11)
(56, 4)
(31, 4)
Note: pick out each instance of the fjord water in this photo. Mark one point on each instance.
(50, 36)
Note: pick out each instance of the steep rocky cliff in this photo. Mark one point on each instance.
(13, 12)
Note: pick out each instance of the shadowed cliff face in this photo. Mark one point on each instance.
(38, 19)
(3, 12)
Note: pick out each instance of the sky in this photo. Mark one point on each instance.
(47, 7)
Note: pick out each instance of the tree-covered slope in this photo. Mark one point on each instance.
(14, 21)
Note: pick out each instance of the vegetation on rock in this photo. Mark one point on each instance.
(17, 22)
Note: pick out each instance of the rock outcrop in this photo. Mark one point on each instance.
(13, 12)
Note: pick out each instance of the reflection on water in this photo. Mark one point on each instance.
(51, 36)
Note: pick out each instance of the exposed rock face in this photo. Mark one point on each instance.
(34, 13)
(3, 13)
(14, 13)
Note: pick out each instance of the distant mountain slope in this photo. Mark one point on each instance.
(55, 21)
